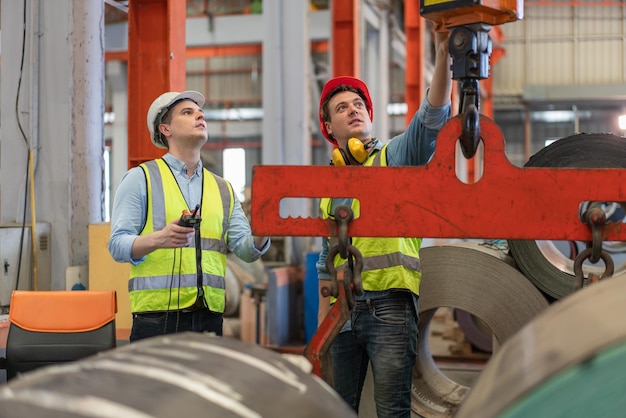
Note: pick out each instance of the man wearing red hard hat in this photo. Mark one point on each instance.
(382, 328)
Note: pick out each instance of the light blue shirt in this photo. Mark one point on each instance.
(130, 207)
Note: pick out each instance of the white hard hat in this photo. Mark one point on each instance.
(161, 105)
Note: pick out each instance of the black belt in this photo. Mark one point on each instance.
(198, 305)
(391, 296)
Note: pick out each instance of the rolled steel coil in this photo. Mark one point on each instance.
(543, 262)
(569, 361)
(474, 330)
(233, 293)
(483, 283)
(178, 375)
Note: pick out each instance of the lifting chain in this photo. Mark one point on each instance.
(352, 281)
(595, 217)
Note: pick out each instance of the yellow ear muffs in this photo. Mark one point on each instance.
(339, 157)
(357, 150)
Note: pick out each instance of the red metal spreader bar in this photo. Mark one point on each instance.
(317, 350)
(508, 202)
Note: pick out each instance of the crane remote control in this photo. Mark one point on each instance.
(190, 219)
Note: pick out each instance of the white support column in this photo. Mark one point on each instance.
(86, 44)
(117, 78)
(18, 26)
(286, 72)
(64, 62)
(286, 93)
(375, 72)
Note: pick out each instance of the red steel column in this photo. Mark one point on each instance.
(156, 63)
(345, 38)
(414, 70)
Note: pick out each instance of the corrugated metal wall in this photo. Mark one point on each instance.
(564, 45)
(226, 80)
(568, 57)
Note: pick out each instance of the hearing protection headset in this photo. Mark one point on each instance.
(355, 149)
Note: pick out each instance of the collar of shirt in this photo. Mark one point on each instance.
(179, 167)
(378, 145)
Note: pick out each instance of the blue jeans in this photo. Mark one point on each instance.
(384, 332)
(151, 324)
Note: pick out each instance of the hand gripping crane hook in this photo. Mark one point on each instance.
(469, 23)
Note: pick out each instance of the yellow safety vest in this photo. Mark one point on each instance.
(167, 279)
(388, 263)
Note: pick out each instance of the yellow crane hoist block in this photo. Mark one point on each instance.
(450, 13)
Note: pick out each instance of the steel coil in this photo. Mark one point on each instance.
(543, 262)
(567, 362)
(474, 330)
(483, 283)
(178, 375)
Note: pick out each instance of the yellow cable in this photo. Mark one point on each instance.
(33, 218)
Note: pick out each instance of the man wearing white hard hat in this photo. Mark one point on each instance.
(174, 222)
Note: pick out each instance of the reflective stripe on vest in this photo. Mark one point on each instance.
(167, 278)
(388, 263)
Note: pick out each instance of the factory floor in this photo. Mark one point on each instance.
(464, 373)
(463, 369)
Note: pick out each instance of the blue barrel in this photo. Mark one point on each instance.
(311, 296)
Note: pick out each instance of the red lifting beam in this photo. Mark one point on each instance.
(508, 202)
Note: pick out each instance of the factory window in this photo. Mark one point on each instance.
(234, 160)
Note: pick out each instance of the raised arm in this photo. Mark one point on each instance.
(441, 84)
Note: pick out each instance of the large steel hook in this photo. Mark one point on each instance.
(470, 135)
(470, 48)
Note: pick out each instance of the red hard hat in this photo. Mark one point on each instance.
(348, 81)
